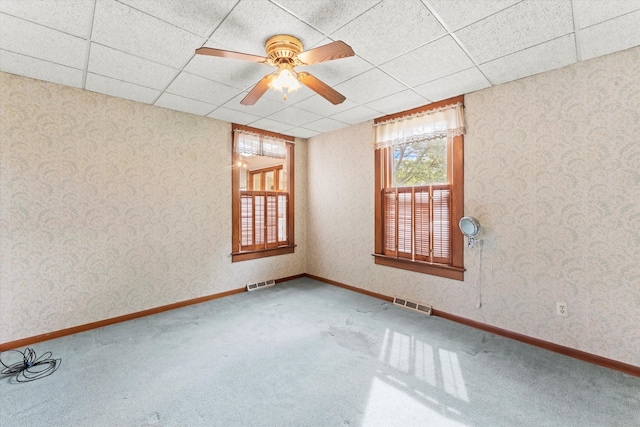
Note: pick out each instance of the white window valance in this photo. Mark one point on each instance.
(445, 122)
(255, 144)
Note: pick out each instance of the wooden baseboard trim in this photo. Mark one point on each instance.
(93, 325)
(351, 288)
(556, 348)
(286, 279)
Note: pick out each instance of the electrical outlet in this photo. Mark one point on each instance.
(561, 309)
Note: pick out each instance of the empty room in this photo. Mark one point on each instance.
(320, 213)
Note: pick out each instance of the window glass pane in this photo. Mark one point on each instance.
(256, 181)
(268, 179)
(420, 163)
(280, 179)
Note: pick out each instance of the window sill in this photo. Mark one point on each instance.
(450, 272)
(261, 253)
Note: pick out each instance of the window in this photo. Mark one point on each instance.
(262, 179)
(419, 189)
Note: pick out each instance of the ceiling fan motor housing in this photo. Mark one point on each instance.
(283, 49)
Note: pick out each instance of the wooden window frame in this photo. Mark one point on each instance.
(236, 253)
(383, 179)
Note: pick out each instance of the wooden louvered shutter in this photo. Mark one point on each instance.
(283, 206)
(422, 224)
(441, 221)
(390, 227)
(246, 221)
(405, 222)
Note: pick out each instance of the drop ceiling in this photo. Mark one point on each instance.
(408, 52)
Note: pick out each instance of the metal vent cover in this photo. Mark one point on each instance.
(260, 285)
(421, 308)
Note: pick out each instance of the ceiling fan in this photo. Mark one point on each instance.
(286, 52)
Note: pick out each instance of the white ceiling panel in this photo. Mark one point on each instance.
(460, 13)
(120, 89)
(239, 74)
(590, 12)
(69, 16)
(294, 116)
(400, 101)
(123, 66)
(271, 125)
(26, 38)
(262, 108)
(430, 62)
(325, 125)
(334, 72)
(358, 115)
(390, 29)
(200, 17)
(27, 66)
(180, 103)
(326, 16)
(466, 81)
(372, 85)
(407, 52)
(319, 105)
(201, 89)
(543, 57)
(610, 36)
(233, 116)
(129, 30)
(302, 132)
(251, 23)
(523, 25)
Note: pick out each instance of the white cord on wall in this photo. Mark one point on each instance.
(478, 284)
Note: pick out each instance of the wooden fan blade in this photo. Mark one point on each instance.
(321, 88)
(230, 54)
(258, 90)
(328, 52)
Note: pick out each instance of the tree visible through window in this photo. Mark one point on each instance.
(419, 189)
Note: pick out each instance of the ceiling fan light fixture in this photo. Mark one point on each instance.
(285, 81)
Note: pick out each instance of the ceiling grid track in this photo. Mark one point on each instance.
(85, 69)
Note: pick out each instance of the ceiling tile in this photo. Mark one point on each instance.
(179, 103)
(37, 69)
(390, 29)
(232, 116)
(405, 100)
(69, 16)
(271, 125)
(195, 87)
(239, 74)
(294, 116)
(357, 115)
(326, 16)
(467, 81)
(537, 59)
(460, 13)
(302, 133)
(262, 108)
(334, 72)
(123, 66)
(124, 28)
(251, 23)
(319, 105)
(23, 37)
(325, 125)
(526, 24)
(430, 62)
(610, 36)
(200, 17)
(373, 84)
(120, 89)
(589, 12)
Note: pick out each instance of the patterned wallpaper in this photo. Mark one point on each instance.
(109, 207)
(551, 172)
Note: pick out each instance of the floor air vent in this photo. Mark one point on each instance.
(422, 308)
(259, 285)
